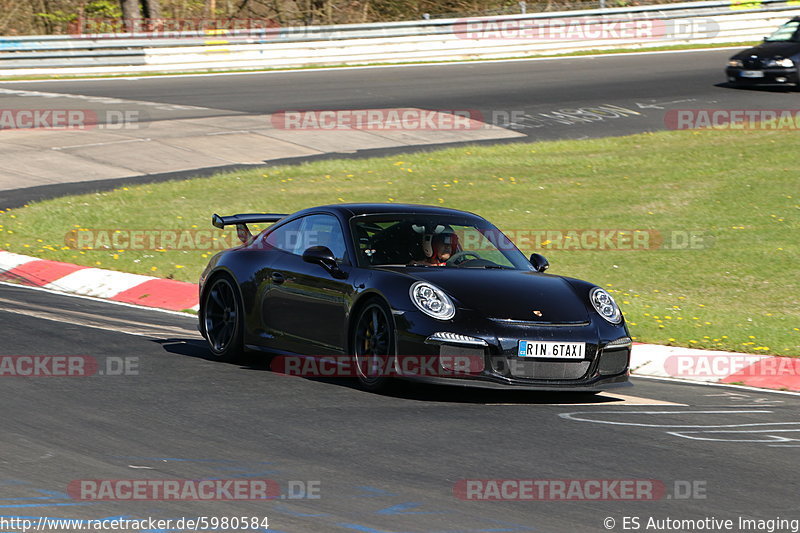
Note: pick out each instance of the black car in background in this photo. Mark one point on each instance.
(773, 62)
(382, 285)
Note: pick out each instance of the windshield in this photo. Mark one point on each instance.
(433, 241)
(787, 32)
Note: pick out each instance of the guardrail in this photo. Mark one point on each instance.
(410, 41)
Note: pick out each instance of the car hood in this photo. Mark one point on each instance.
(768, 50)
(508, 294)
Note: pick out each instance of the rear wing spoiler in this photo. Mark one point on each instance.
(241, 222)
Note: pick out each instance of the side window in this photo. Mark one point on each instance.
(286, 237)
(323, 230)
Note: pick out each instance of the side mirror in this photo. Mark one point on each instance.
(323, 256)
(540, 264)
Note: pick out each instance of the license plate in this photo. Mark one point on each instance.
(550, 349)
(751, 74)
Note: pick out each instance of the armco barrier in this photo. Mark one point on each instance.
(353, 44)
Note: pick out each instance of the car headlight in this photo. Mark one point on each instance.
(605, 305)
(432, 301)
(735, 63)
(784, 63)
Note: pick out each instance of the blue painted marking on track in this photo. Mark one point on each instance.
(403, 508)
(373, 492)
(50, 495)
(74, 520)
(28, 498)
(365, 529)
(47, 504)
(53, 493)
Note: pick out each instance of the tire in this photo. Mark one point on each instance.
(373, 342)
(223, 320)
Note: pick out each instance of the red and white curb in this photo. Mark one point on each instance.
(650, 360)
(715, 366)
(111, 285)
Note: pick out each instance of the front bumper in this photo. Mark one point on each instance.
(771, 76)
(494, 363)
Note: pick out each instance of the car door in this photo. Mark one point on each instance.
(305, 306)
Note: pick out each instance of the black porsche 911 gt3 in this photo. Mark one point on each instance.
(378, 285)
(773, 62)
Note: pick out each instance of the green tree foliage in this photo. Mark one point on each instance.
(31, 17)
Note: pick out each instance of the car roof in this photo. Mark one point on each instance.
(356, 209)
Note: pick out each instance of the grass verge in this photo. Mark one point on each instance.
(735, 288)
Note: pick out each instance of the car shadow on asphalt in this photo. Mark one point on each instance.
(401, 389)
(776, 89)
(425, 392)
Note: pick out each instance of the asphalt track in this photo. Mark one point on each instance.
(381, 463)
(551, 99)
(648, 83)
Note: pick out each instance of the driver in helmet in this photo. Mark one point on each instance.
(439, 246)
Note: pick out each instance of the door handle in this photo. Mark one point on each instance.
(277, 277)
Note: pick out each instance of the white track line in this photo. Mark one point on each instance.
(89, 320)
(68, 295)
(708, 384)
